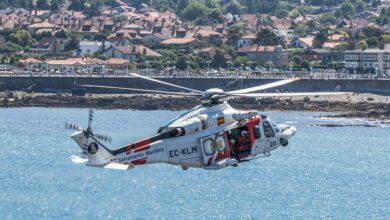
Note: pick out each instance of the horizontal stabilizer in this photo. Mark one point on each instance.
(119, 166)
(77, 159)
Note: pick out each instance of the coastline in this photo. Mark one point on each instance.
(350, 106)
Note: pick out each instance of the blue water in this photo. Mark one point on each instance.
(337, 173)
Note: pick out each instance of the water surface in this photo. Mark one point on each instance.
(338, 173)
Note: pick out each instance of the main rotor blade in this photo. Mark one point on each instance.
(168, 84)
(141, 90)
(291, 94)
(263, 87)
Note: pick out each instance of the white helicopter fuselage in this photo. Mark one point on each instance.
(208, 136)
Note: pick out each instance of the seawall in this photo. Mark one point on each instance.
(65, 84)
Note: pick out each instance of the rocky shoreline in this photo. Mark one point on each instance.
(361, 108)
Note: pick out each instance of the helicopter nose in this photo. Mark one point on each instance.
(287, 131)
(293, 130)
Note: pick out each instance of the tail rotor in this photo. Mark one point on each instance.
(88, 131)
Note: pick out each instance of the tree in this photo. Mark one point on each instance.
(260, 6)
(359, 6)
(233, 8)
(362, 45)
(239, 60)
(43, 5)
(342, 47)
(61, 34)
(294, 14)
(12, 61)
(4, 59)
(77, 5)
(10, 48)
(305, 64)
(297, 59)
(219, 58)
(30, 5)
(267, 37)
(327, 19)
(181, 62)
(195, 10)
(99, 37)
(22, 38)
(216, 15)
(372, 32)
(281, 13)
(55, 5)
(347, 8)
(372, 42)
(235, 32)
(320, 38)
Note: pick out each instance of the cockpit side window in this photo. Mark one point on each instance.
(256, 132)
(268, 131)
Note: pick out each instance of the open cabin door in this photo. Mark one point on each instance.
(215, 148)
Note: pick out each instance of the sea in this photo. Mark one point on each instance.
(326, 172)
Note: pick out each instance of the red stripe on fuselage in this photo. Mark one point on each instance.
(138, 146)
(139, 161)
(142, 143)
(146, 147)
(209, 162)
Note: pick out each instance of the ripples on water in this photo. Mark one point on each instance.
(341, 173)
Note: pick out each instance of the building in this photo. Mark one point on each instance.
(246, 40)
(303, 42)
(47, 45)
(209, 36)
(265, 54)
(44, 25)
(91, 47)
(154, 39)
(71, 65)
(315, 55)
(129, 53)
(368, 60)
(207, 52)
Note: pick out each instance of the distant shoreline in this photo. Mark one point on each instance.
(358, 105)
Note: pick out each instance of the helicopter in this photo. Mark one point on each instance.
(212, 135)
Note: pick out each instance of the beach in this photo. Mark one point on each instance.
(349, 105)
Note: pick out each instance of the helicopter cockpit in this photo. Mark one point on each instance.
(261, 130)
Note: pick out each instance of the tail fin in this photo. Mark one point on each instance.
(98, 155)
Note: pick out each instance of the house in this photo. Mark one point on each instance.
(47, 45)
(337, 38)
(70, 65)
(368, 60)
(304, 42)
(315, 54)
(154, 39)
(129, 53)
(209, 36)
(181, 32)
(207, 52)
(186, 43)
(30, 62)
(246, 40)
(119, 66)
(331, 45)
(265, 54)
(43, 25)
(333, 57)
(91, 47)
